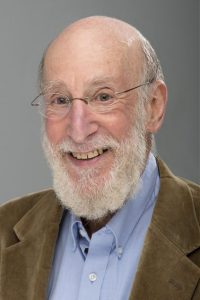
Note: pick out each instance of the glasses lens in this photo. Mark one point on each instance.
(103, 101)
(54, 106)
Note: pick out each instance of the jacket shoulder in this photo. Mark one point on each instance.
(194, 188)
(185, 186)
(166, 173)
(17, 207)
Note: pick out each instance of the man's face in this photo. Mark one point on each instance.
(94, 150)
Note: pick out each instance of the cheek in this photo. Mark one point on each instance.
(118, 129)
(55, 131)
(120, 124)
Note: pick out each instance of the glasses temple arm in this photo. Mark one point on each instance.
(34, 103)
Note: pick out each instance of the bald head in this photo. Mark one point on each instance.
(114, 39)
(103, 27)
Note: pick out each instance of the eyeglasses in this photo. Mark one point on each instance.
(56, 105)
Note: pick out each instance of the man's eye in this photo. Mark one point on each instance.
(59, 101)
(104, 97)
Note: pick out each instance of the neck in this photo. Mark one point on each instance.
(91, 226)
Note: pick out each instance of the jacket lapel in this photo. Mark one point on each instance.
(26, 264)
(165, 271)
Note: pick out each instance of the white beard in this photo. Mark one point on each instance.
(93, 196)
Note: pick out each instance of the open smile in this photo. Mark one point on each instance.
(88, 155)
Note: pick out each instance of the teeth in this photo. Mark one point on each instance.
(92, 154)
(83, 156)
(87, 155)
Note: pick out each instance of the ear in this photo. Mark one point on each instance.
(156, 106)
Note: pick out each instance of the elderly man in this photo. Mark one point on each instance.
(118, 224)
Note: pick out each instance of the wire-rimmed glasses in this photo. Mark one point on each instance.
(56, 104)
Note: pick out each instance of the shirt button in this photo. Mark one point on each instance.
(119, 251)
(92, 277)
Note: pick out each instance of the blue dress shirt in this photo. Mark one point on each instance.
(104, 267)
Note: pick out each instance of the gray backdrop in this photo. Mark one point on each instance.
(27, 26)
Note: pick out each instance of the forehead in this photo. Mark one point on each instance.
(88, 56)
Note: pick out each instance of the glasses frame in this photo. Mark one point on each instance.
(35, 101)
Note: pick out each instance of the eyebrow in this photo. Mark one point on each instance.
(95, 82)
(100, 81)
(48, 85)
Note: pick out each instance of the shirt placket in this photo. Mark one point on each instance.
(95, 265)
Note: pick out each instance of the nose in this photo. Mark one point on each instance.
(82, 122)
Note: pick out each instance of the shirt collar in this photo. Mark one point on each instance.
(75, 223)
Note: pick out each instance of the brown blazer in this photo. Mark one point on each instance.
(169, 267)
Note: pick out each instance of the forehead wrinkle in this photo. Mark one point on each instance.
(101, 80)
(98, 81)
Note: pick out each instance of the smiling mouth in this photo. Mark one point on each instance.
(88, 155)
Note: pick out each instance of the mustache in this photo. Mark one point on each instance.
(100, 142)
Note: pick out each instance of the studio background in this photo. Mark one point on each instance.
(26, 28)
